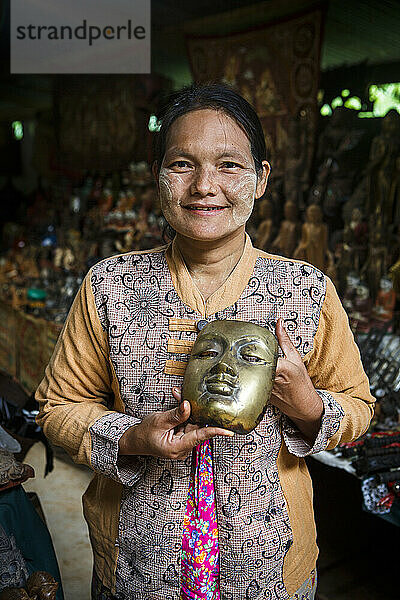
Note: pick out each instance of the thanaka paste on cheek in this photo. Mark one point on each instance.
(165, 189)
(166, 183)
(243, 192)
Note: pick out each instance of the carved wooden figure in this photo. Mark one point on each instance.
(286, 241)
(313, 246)
(266, 226)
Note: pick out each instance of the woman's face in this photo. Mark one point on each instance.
(208, 181)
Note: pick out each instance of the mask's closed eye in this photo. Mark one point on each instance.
(255, 354)
(253, 359)
(206, 354)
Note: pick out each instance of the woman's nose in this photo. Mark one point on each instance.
(203, 183)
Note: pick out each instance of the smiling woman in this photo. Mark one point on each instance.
(210, 166)
(231, 515)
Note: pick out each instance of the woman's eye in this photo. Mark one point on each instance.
(230, 165)
(179, 164)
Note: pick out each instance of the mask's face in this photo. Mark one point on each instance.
(230, 374)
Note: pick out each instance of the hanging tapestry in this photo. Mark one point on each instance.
(276, 68)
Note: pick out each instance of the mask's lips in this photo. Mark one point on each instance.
(221, 385)
(221, 389)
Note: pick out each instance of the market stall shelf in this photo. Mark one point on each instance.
(26, 345)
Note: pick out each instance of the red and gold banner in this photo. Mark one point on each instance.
(276, 68)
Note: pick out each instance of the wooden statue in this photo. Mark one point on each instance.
(394, 193)
(28, 265)
(385, 150)
(71, 255)
(286, 241)
(360, 317)
(266, 226)
(96, 217)
(355, 237)
(385, 301)
(376, 265)
(352, 282)
(313, 246)
(128, 242)
(296, 160)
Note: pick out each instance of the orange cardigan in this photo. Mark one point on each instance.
(81, 387)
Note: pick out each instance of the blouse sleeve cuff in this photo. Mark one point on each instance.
(105, 435)
(330, 423)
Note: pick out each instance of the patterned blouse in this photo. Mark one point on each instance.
(200, 552)
(124, 346)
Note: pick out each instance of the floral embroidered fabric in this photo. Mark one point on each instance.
(199, 563)
(200, 551)
(254, 530)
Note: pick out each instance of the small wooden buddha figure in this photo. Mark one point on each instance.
(394, 194)
(385, 301)
(266, 227)
(356, 239)
(376, 265)
(360, 317)
(127, 244)
(98, 216)
(352, 282)
(29, 267)
(313, 246)
(287, 239)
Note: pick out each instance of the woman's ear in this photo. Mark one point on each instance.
(262, 179)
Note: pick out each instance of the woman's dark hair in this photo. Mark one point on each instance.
(219, 97)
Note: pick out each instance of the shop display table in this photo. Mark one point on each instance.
(330, 459)
(26, 345)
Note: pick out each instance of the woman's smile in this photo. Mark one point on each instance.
(205, 210)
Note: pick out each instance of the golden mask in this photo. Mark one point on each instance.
(230, 375)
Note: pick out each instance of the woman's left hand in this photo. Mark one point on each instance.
(293, 392)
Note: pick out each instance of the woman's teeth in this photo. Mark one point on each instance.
(205, 208)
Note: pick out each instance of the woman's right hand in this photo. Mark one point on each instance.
(167, 434)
